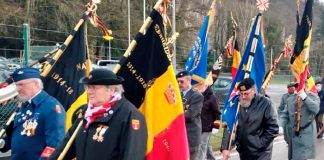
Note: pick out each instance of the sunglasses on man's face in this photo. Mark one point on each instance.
(180, 81)
(245, 93)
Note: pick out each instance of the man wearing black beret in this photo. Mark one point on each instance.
(39, 124)
(192, 103)
(112, 127)
(257, 125)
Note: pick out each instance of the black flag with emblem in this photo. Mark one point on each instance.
(62, 81)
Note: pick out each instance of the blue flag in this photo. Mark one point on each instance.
(257, 73)
(196, 63)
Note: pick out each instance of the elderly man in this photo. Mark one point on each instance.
(291, 89)
(303, 145)
(112, 127)
(192, 103)
(257, 125)
(39, 123)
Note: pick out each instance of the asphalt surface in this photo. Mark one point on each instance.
(280, 148)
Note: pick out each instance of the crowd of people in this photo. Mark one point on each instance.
(112, 128)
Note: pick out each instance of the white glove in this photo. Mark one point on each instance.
(214, 131)
(302, 95)
(218, 64)
(2, 143)
(281, 130)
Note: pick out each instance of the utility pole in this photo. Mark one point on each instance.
(26, 31)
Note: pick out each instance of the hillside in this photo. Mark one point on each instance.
(50, 22)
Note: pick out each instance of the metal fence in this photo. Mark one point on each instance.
(6, 110)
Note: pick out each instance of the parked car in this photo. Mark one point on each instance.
(110, 64)
(221, 88)
(3, 59)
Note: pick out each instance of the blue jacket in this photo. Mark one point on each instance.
(49, 115)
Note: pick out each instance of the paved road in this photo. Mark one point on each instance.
(280, 148)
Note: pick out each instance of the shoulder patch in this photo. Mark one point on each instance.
(58, 108)
(135, 124)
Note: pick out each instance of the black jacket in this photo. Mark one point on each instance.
(257, 127)
(124, 138)
(321, 96)
(210, 110)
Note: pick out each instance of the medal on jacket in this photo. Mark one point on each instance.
(27, 128)
(33, 127)
(100, 131)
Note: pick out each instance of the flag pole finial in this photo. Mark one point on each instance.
(262, 5)
(96, 21)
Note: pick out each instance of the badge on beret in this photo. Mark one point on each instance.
(135, 124)
(58, 109)
(242, 88)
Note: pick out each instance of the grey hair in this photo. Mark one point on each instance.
(39, 82)
(118, 88)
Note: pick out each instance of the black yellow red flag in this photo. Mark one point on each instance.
(151, 85)
(300, 58)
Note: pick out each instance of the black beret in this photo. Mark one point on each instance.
(246, 84)
(292, 84)
(102, 76)
(318, 82)
(25, 73)
(182, 74)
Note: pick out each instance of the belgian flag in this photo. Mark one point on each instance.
(300, 58)
(62, 80)
(151, 85)
(236, 59)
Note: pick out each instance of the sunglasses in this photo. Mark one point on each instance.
(245, 93)
(180, 81)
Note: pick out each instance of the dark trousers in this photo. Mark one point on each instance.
(194, 152)
(319, 124)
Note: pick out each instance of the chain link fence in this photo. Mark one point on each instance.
(6, 110)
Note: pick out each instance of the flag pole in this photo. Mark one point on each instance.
(130, 48)
(247, 73)
(48, 66)
(144, 27)
(287, 49)
(270, 73)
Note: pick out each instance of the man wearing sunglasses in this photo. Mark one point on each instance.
(192, 104)
(257, 125)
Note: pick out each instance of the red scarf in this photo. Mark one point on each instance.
(93, 113)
